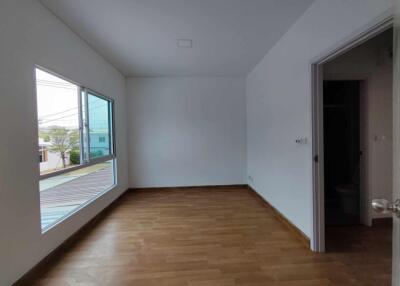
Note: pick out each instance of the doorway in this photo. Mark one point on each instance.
(341, 101)
(353, 150)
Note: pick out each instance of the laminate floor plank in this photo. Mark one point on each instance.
(213, 237)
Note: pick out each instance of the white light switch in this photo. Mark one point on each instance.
(301, 140)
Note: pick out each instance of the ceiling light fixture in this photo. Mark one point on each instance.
(184, 43)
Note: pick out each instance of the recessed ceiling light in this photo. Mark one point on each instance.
(184, 43)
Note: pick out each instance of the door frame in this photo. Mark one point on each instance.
(318, 234)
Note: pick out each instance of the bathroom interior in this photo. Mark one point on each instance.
(358, 153)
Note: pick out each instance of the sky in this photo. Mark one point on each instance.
(57, 101)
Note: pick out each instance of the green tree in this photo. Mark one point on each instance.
(63, 140)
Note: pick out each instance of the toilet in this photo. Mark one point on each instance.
(349, 200)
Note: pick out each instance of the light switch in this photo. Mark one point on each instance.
(301, 140)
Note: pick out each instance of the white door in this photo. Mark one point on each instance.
(383, 205)
(396, 133)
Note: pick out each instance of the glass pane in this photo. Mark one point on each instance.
(58, 121)
(99, 126)
(63, 194)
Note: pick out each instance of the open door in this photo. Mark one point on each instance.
(382, 205)
(396, 144)
(387, 205)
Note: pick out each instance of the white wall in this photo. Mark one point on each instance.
(31, 35)
(371, 63)
(200, 122)
(279, 103)
(186, 131)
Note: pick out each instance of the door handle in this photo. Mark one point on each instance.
(384, 206)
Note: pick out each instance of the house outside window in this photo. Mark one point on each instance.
(43, 154)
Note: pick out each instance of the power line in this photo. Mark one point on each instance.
(56, 119)
(57, 113)
(66, 116)
(90, 109)
(56, 84)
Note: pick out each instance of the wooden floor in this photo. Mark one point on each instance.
(205, 237)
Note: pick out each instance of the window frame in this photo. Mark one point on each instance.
(111, 135)
(85, 161)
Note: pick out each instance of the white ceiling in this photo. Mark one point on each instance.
(139, 36)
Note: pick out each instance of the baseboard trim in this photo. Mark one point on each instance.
(56, 253)
(190, 187)
(305, 240)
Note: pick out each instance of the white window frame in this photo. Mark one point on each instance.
(85, 160)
